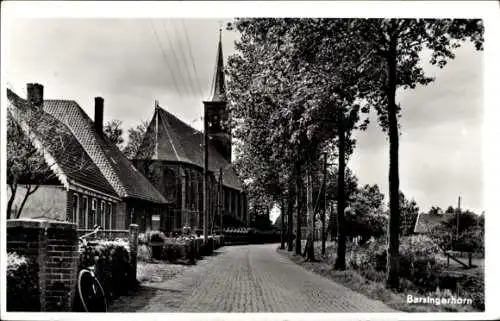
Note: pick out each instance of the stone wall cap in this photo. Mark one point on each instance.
(39, 223)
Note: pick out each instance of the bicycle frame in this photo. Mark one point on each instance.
(91, 272)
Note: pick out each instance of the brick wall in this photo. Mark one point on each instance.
(53, 247)
(133, 244)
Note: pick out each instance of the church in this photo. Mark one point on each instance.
(171, 156)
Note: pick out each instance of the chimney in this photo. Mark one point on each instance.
(35, 94)
(98, 114)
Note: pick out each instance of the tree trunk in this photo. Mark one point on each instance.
(341, 242)
(394, 218)
(331, 224)
(323, 210)
(290, 200)
(283, 211)
(13, 189)
(310, 216)
(29, 191)
(298, 237)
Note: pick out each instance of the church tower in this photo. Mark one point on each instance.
(216, 112)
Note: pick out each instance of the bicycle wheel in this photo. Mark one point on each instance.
(91, 293)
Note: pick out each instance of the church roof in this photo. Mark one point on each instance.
(218, 90)
(170, 139)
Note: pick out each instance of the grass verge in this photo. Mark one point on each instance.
(373, 289)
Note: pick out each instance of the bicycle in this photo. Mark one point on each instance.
(90, 291)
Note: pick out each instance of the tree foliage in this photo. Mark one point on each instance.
(25, 166)
(135, 139)
(113, 130)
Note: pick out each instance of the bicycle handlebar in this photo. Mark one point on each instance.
(96, 229)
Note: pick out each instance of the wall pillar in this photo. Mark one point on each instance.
(133, 244)
(53, 248)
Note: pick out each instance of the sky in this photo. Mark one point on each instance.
(133, 62)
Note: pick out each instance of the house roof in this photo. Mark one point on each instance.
(125, 179)
(170, 139)
(55, 139)
(426, 222)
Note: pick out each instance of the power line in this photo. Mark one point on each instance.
(197, 79)
(174, 53)
(165, 58)
(190, 55)
(183, 53)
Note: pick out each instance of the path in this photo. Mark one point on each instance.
(249, 278)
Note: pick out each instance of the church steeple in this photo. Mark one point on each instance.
(218, 90)
(216, 113)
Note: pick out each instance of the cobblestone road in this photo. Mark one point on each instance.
(252, 278)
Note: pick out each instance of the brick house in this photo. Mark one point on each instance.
(172, 157)
(93, 182)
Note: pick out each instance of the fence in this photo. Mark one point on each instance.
(53, 248)
(106, 234)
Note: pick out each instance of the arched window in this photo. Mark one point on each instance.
(170, 182)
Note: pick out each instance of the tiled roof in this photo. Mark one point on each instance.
(57, 140)
(173, 140)
(426, 222)
(127, 181)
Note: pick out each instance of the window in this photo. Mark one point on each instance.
(109, 215)
(155, 224)
(102, 215)
(82, 220)
(91, 221)
(74, 211)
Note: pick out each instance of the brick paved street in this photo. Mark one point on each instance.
(252, 278)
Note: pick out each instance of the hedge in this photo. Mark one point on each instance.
(112, 265)
(22, 285)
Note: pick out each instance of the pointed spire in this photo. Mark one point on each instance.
(218, 90)
(156, 115)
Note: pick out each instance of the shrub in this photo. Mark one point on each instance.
(418, 262)
(155, 239)
(144, 253)
(22, 285)
(180, 248)
(112, 265)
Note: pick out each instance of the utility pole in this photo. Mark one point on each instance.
(458, 214)
(205, 177)
(220, 201)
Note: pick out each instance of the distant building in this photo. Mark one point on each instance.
(93, 181)
(172, 157)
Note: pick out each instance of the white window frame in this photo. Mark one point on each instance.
(109, 213)
(85, 200)
(103, 214)
(76, 198)
(93, 212)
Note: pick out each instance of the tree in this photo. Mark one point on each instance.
(450, 210)
(34, 137)
(397, 45)
(135, 139)
(435, 210)
(113, 130)
(304, 77)
(25, 165)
